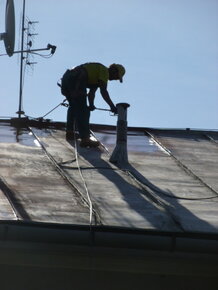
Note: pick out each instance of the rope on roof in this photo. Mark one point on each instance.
(83, 179)
(128, 171)
(63, 174)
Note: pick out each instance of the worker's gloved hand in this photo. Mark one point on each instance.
(113, 109)
(92, 108)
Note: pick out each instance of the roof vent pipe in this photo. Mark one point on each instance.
(119, 155)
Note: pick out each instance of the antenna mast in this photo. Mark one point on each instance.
(9, 37)
(21, 63)
(50, 47)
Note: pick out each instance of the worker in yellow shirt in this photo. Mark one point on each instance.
(75, 83)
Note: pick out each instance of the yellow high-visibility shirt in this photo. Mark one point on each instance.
(96, 72)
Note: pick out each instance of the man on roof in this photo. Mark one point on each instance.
(75, 83)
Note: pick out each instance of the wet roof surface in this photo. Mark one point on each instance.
(170, 183)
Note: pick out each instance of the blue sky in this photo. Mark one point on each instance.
(169, 49)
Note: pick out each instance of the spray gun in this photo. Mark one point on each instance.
(100, 109)
(107, 110)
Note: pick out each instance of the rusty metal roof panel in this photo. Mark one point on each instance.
(170, 183)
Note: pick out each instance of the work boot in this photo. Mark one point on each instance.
(71, 135)
(89, 143)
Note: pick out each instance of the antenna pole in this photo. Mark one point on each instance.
(21, 63)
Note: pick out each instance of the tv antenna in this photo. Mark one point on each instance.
(9, 39)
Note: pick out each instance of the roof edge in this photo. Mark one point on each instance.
(108, 236)
(48, 123)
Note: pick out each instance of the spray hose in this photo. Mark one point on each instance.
(63, 103)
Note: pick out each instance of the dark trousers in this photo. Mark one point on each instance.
(78, 113)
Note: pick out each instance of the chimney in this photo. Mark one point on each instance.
(119, 155)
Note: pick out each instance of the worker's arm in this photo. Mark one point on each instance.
(106, 97)
(91, 98)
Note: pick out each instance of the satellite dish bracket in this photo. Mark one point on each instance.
(2, 36)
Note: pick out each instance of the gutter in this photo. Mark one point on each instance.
(108, 236)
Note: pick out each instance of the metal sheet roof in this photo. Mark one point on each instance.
(170, 184)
